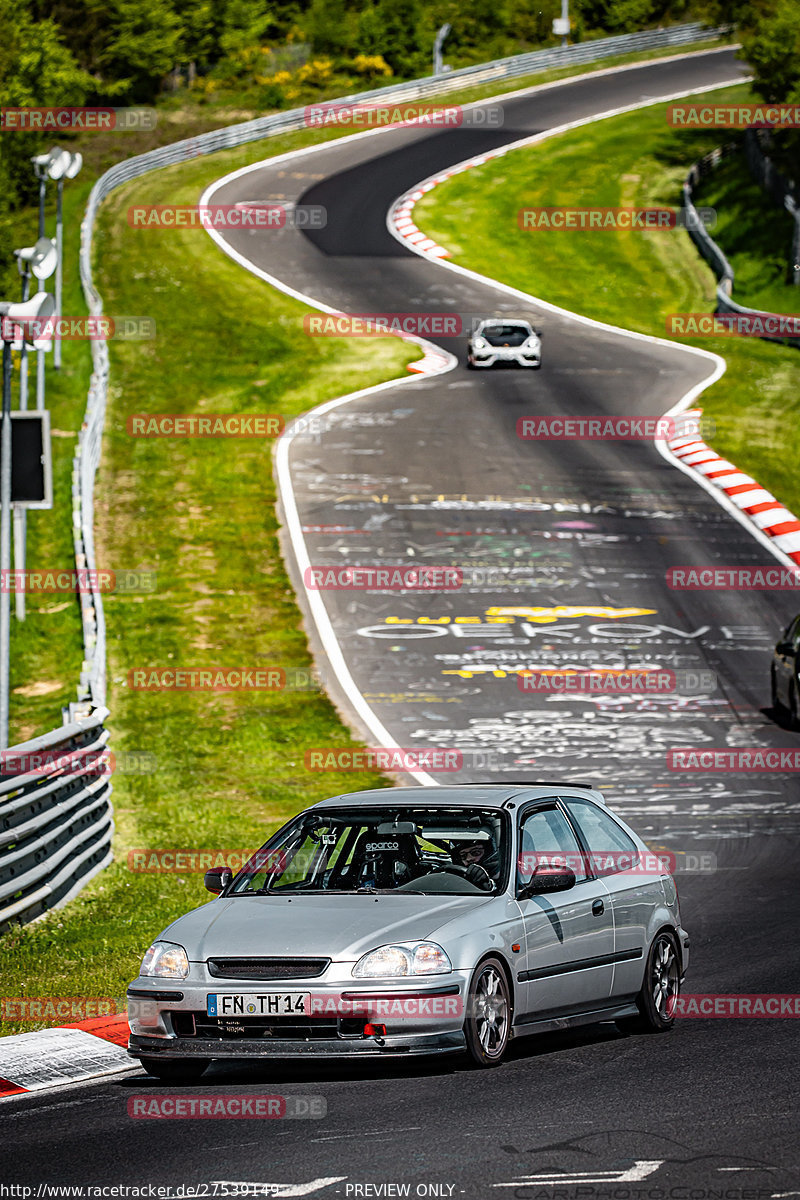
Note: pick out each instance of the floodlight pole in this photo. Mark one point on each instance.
(42, 176)
(5, 545)
(20, 540)
(23, 354)
(40, 379)
(20, 516)
(59, 252)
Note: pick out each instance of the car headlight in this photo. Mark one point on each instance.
(166, 960)
(417, 958)
(478, 343)
(531, 343)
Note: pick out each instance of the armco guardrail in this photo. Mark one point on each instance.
(714, 255)
(55, 818)
(56, 826)
(697, 230)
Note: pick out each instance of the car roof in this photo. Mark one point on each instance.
(505, 321)
(462, 795)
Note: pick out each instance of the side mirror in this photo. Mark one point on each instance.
(784, 648)
(548, 879)
(217, 879)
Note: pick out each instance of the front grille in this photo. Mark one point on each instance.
(296, 1029)
(267, 968)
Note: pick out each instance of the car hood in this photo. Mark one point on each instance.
(341, 927)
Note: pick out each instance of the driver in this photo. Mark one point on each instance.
(482, 867)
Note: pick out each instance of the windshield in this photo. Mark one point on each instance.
(506, 335)
(427, 851)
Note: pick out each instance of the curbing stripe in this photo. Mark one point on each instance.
(759, 507)
(10, 1089)
(33, 1062)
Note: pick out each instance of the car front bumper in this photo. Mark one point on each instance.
(171, 1021)
(510, 357)
(183, 1048)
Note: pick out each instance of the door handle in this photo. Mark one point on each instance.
(598, 908)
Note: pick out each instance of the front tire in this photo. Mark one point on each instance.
(660, 989)
(487, 1027)
(175, 1070)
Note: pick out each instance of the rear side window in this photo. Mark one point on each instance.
(610, 847)
(545, 837)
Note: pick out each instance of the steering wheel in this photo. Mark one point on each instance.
(455, 868)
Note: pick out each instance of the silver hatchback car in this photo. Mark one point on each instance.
(417, 921)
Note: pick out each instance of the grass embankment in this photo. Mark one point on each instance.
(630, 279)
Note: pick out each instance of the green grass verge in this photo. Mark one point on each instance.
(630, 279)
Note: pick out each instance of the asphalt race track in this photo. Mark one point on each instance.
(432, 472)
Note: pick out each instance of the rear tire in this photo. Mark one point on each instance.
(660, 989)
(793, 717)
(488, 1023)
(175, 1070)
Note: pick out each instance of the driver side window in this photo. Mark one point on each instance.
(546, 838)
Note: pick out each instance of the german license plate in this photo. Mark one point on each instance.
(266, 1004)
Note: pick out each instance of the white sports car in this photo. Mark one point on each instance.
(498, 340)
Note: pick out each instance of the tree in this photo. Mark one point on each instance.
(370, 36)
(199, 38)
(772, 48)
(402, 48)
(329, 29)
(140, 46)
(35, 69)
